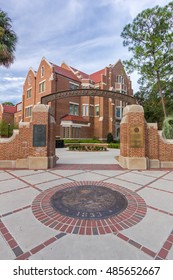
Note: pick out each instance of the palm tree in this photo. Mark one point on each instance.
(8, 40)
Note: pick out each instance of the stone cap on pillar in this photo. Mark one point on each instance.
(41, 108)
(133, 108)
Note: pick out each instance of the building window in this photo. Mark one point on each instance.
(73, 132)
(91, 111)
(77, 132)
(73, 86)
(97, 110)
(28, 111)
(42, 71)
(118, 133)
(29, 93)
(120, 79)
(85, 110)
(118, 112)
(42, 87)
(66, 132)
(74, 109)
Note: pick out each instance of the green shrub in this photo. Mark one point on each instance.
(110, 137)
(114, 145)
(168, 127)
(6, 130)
(3, 128)
(69, 141)
(87, 148)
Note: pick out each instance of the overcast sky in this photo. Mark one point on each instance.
(83, 33)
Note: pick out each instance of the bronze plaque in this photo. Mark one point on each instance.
(39, 135)
(136, 136)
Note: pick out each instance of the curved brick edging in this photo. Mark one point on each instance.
(45, 213)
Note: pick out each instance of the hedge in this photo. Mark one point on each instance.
(87, 148)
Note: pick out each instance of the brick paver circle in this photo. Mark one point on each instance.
(44, 211)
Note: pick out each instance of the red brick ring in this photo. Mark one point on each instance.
(45, 213)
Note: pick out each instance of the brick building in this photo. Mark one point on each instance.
(7, 113)
(78, 116)
(18, 113)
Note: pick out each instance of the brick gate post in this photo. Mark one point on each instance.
(132, 138)
(42, 151)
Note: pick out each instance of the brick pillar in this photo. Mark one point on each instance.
(132, 138)
(42, 151)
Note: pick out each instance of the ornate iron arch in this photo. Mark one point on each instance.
(88, 92)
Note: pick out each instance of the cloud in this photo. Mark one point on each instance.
(133, 7)
(11, 88)
(84, 33)
(14, 79)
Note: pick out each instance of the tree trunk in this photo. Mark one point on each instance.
(161, 94)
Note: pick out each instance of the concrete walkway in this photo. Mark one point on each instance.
(30, 229)
(77, 157)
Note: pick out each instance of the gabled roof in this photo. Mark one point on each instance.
(75, 119)
(32, 70)
(96, 77)
(19, 103)
(83, 74)
(61, 71)
(9, 109)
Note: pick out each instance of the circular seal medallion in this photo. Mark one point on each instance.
(89, 202)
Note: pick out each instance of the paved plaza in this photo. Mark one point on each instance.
(30, 228)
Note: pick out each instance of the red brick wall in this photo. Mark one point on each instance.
(165, 151)
(124, 140)
(152, 142)
(8, 117)
(155, 147)
(158, 147)
(20, 146)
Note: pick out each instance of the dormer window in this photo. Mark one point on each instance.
(73, 86)
(42, 71)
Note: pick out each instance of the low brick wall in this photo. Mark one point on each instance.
(19, 151)
(141, 144)
(159, 150)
